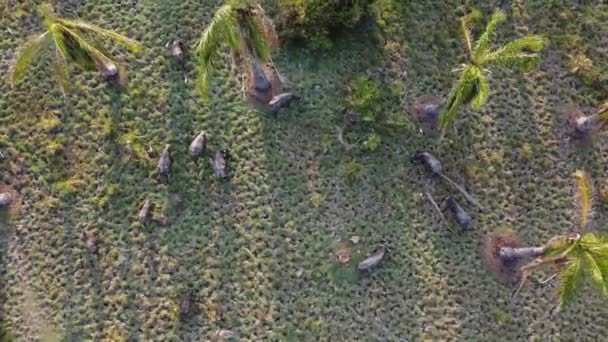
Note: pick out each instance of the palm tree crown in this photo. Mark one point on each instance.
(241, 25)
(473, 86)
(68, 40)
(578, 257)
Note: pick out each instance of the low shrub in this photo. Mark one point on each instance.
(314, 21)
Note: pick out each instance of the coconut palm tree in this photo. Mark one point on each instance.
(243, 26)
(473, 85)
(575, 258)
(69, 40)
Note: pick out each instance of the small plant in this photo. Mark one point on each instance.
(575, 258)
(241, 25)
(364, 98)
(49, 121)
(527, 152)
(316, 200)
(583, 66)
(69, 40)
(352, 170)
(373, 142)
(473, 85)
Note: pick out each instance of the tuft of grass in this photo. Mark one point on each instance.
(352, 170)
(316, 200)
(67, 187)
(49, 121)
(581, 65)
(364, 98)
(502, 317)
(373, 142)
(526, 152)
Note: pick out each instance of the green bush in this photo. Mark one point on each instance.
(364, 98)
(313, 21)
(372, 142)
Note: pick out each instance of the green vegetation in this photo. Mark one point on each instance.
(576, 258)
(242, 26)
(473, 85)
(272, 251)
(364, 98)
(581, 65)
(314, 21)
(372, 142)
(69, 40)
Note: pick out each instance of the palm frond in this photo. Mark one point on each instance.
(602, 112)
(483, 90)
(570, 281)
(59, 40)
(28, 53)
(559, 245)
(590, 240)
(460, 94)
(593, 273)
(60, 71)
(483, 43)
(255, 37)
(223, 29)
(597, 245)
(525, 62)
(602, 264)
(86, 49)
(204, 70)
(467, 36)
(598, 248)
(269, 32)
(583, 198)
(90, 28)
(602, 238)
(465, 31)
(48, 15)
(515, 54)
(533, 43)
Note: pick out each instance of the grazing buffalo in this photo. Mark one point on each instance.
(164, 163)
(281, 101)
(198, 145)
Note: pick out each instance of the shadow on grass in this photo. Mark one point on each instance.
(6, 233)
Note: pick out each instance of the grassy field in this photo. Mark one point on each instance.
(258, 249)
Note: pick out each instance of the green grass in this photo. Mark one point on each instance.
(257, 249)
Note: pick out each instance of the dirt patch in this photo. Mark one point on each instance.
(260, 101)
(427, 109)
(15, 205)
(506, 271)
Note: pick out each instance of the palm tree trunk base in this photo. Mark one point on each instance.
(510, 253)
(5, 199)
(581, 126)
(260, 86)
(427, 109)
